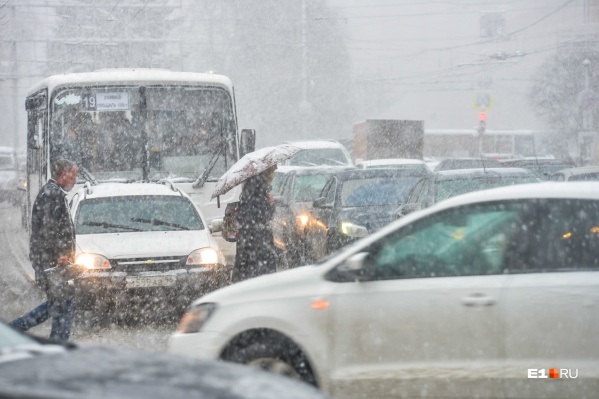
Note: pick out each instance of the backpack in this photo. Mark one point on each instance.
(230, 222)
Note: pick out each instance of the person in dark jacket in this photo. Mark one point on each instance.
(52, 244)
(255, 253)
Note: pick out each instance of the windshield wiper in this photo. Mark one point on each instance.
(203, 178)
(110, 225)
(158, 222)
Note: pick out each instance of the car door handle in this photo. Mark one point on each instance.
(476, 300)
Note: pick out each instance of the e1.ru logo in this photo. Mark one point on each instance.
(553, 373)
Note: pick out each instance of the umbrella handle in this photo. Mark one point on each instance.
(218, 201)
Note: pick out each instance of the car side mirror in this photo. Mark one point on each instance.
(354, 268)
(280, 201)
(320, 202)
(216, 226)
(405, 209)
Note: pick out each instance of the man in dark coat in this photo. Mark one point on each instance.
(52, 244)
(255, 254)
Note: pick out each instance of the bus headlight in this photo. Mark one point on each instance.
(93, 261)
(205, 257)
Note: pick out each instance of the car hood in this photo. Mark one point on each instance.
(101, 372)
(144, 244)
(371, 217)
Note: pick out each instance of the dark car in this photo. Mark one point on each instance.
(34, 368)
(442, 185)
(542, 167)
(353, 204)
(583, 173)
(295, 190)
(465, 163)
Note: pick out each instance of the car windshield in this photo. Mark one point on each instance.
(6, 162)
(450, 188)
(135, 214)
(320, 156)
(308, 188)
(379, 191)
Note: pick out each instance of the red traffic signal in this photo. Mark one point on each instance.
(482, 116)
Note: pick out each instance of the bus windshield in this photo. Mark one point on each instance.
(106, 131)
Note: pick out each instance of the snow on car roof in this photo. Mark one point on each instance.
(579, 170)
(315, 144)
(119, 76)
(391, 161)
(103, 190)
(480, 172)
(564, 190)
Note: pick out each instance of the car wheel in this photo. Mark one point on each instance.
(278, 358)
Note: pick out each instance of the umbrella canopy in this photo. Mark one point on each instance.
(253, 164)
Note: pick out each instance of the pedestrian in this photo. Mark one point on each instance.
(255, 253)
(52, 244)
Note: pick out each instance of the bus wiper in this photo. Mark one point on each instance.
(110, 225)
(158, 222)
(199, 183)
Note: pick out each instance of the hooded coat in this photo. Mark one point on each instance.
(255, 246)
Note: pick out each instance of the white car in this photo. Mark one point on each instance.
(319, 152)
(415, 165)
(142, 239)
(470, 298)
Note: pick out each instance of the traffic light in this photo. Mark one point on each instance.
(482, 123)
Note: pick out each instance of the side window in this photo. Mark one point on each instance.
(557, 177)
(467, 241)
(570, 236)
(331, 192)
(413, 197)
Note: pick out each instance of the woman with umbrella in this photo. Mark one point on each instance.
(255, 246)
(256, 254)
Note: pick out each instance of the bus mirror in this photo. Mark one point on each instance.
(35, 103)
(33, 138)
(247, 141)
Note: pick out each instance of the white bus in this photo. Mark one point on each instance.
(125, 125)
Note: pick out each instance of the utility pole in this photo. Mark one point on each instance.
(14, 72)
(304, 105)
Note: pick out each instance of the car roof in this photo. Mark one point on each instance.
(104, 190)
(535, 162)
(355, 173)
(315, 144)
(581, 170)
(315, 170)
(391, 161)
(557, 190)
(475, 173)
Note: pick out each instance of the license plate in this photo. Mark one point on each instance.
(150, 281)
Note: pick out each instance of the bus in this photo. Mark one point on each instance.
(125, 125)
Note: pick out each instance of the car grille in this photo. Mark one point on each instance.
(161, 264)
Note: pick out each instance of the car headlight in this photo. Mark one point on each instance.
(93, 261)
(353, 230)
(195, 317)
(205, 257)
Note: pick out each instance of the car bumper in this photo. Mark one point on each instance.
(203, 345)
(177, 284)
